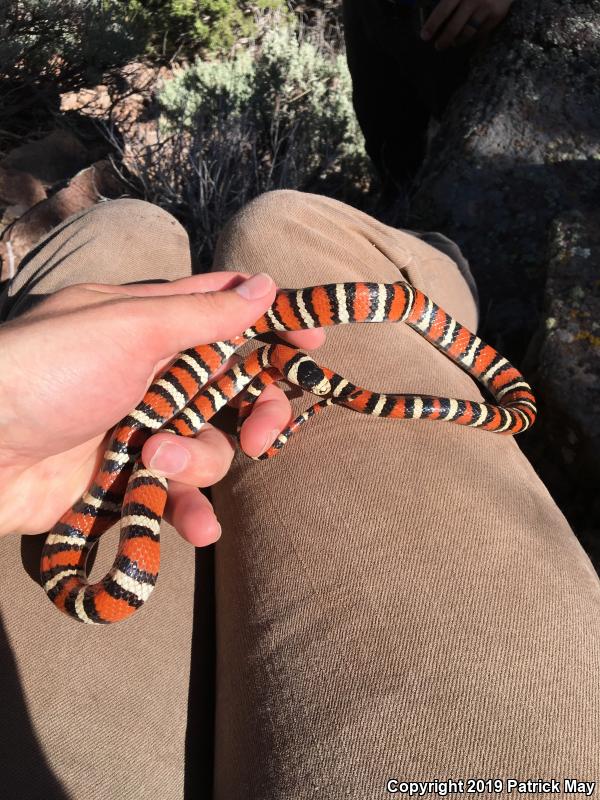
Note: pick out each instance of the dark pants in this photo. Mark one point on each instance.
(399, 83)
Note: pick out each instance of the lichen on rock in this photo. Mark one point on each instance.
(568, 372)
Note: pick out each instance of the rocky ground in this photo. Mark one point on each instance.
(71, 163)
(565, 361)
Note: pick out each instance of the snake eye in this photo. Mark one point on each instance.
(312, 378)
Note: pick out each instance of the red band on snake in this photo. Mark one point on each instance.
(179, 402)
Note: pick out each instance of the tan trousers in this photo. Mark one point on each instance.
(394, 600)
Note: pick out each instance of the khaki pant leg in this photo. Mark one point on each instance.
(96, 713)
(395, 599)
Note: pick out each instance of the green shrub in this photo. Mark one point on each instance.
(188, 26)
(50, 46)
(70, 42)
(279, 116)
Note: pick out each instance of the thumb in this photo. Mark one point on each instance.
(178, 322)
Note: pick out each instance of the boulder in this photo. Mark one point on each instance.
(19, 191)
(55, 157)
(566, 351)
(90, 186)
(519, 145)
(568, 371)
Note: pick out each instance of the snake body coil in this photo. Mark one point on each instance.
(179, 403)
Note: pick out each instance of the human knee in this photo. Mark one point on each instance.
(136, 217)
(265, 227)
(153, 243)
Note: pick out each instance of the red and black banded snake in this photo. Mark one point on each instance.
(180, 402)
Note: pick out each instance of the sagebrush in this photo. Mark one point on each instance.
(68, 42)
(184, 27)
(275, 116)
(52, 46)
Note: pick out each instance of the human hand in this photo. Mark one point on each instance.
(462, 20)
(76, 364)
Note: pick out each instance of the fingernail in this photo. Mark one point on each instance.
(170, 459)
(269, 439)
(255, 287)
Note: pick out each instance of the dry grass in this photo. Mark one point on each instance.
(233, 129)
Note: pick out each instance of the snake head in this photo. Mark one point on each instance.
(310, 377)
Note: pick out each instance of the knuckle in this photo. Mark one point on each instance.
(71, 293)
(209, 301)
(213, 305)
(212, 458)
(206, 471)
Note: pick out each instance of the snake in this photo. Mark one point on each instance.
(188, 394)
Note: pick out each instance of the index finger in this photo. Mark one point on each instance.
(208, 282)
(194, 284)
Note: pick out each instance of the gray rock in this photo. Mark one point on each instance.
(568, 373)
(565, 442)
(519, 145)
